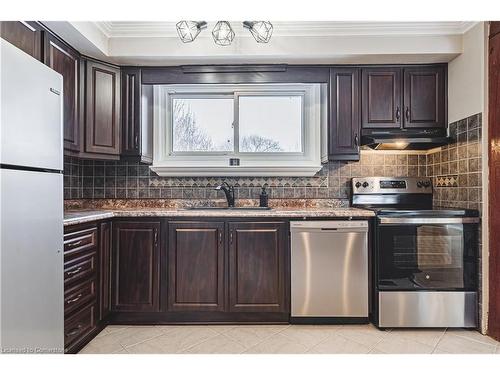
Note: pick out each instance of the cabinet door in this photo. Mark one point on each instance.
(26, 36)
(258, 264)
(66, 61)
(137, 117)
(104, 270)
(102, 128)
(381, 98)
(131, 110)
(135, 265)
(195, 266)
(425, 97)
(344, 131)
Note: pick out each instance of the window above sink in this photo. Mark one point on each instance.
(238, 130)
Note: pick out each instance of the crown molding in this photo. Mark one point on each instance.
(131, 29)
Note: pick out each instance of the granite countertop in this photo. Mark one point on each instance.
(73, 217)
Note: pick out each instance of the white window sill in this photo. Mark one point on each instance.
(202, 171)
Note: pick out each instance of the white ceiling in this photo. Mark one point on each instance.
(157, 43)
(117, 29)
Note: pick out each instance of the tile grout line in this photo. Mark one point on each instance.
(324, 340)
(438, 341)
(140, 342)
(251, 346)
(200, 342)
(474, 340)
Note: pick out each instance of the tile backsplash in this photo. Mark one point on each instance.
(455, 168)
(120, 180)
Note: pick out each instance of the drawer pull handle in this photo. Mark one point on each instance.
(74, 331)
(70, 273)
(77, 243)
(70, 301)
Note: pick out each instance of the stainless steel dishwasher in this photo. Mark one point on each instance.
(329, 271)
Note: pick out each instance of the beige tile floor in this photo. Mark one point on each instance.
(287, 339)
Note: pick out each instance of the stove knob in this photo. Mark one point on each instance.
(365, 184)
(427, 184)
(419, 184)
(358, 184)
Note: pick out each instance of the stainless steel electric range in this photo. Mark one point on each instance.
(425, 258)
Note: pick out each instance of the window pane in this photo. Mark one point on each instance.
(203, 124)
(270, 123)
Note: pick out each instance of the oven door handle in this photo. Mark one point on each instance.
(428, 220)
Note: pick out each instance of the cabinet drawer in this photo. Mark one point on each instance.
(79, 295)
(79, 242)
(80, 269)
(79, 325)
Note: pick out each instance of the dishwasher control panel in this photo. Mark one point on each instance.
(341, 224)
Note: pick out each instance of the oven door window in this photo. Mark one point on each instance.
(428, 256)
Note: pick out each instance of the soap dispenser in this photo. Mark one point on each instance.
(264, 198)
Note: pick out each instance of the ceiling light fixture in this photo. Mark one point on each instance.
(223, 33)
(260, 30)
(189, 30)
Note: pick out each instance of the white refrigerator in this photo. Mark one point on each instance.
(31, 205)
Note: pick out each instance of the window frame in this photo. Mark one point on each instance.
(216, 163)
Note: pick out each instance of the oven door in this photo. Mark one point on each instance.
(427, 253)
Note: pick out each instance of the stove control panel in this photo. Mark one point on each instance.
(391, 185)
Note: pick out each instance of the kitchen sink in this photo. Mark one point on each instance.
(248, 208)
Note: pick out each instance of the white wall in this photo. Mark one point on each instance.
(467, 95)
(466, 76)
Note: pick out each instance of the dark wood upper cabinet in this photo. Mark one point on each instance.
(102, 124)
(258, 266)
(195, 266)
(137, 117)
(66, 61)
(26, 36)
(425, 97)
(381, 98)
(135, 265)
(345, 121)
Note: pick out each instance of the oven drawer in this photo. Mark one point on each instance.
(427, 309)
(79, 295)
(80, 268)
(79, 242)
(79, 325)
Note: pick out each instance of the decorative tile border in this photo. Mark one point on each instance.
(446, 181)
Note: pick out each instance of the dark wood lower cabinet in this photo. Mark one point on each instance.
(82, 257)
(195, 266)
(105, 270)
(258, 267)
(135, 265)
(151, 271)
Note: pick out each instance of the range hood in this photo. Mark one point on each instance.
(404, 139)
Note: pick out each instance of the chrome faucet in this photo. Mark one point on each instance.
(229, 191)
